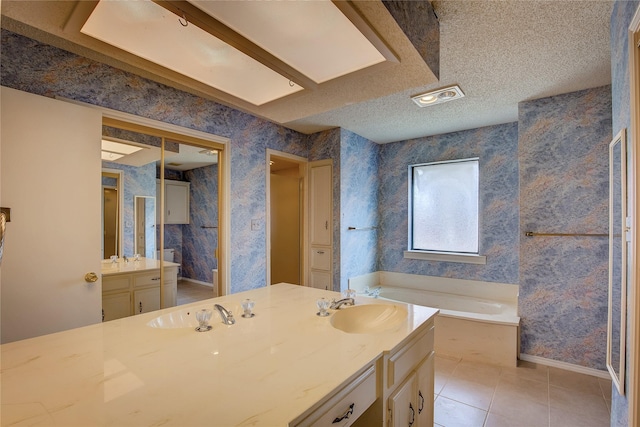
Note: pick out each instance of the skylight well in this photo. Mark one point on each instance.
(255, 51)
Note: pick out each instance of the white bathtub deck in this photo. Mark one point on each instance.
(478, 321)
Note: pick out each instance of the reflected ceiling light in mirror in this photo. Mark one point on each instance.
(438, 96)
(113, 150)
(314, 37)
(209, 152)
(149, 31)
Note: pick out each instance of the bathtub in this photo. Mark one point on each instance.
(477, 321)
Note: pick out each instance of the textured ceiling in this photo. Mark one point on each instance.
(499, 52)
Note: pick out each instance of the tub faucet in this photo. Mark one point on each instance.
(335, 305)
(226, 315)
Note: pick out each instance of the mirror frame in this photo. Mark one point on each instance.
(616, 368)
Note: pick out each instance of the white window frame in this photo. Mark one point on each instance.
(430, 255)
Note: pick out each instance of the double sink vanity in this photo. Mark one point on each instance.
(132, 286)
(370, 364)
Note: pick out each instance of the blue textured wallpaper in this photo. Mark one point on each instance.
(358, 206)
(621, 16)
(199, 244)
(419, 22)
(497, 148)
(38, 68)
(564, 188)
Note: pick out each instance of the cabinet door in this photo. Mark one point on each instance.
(321, 209)
(320, 280)
(424, 400)
(177, 202)
(146, 300)
(402, 404)
(170, 287)
(116, 306)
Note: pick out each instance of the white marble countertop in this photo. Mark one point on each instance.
(108, 267)
(262, 371)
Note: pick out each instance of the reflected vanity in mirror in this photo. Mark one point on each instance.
(618, 241)
(145, 226)
(173, 249)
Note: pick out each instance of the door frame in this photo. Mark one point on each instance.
(304, 224)
(633, 313)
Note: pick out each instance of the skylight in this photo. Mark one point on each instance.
(147, 30)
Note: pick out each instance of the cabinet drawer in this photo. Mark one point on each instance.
(321, 258)
(114, 283)
(147, 279)
(348, 404)
(402, 362)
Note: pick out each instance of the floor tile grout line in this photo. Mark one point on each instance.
(493, 396)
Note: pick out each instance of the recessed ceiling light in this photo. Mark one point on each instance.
(438, 96)
(114, 150)
(208, 152)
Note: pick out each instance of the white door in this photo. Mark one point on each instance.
(51, 179)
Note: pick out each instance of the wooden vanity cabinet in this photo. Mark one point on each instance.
(116, 306)
(126, 294)
(395, 391)
(410, 382)
(412, 403)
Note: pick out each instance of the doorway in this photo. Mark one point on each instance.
(109, 221)
(286, 212)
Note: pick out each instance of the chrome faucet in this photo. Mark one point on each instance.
(337, 304)
(226, 315)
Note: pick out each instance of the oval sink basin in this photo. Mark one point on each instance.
(369, 318)
(177, 319)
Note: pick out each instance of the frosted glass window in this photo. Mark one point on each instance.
(444, 206)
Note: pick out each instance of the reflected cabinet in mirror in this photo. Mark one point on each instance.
(618, 242)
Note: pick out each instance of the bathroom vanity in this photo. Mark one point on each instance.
(133, 287)
(285, 366)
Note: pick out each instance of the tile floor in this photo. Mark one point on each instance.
(192, 292)
(477, 395)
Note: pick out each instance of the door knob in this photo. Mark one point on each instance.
(91, 277)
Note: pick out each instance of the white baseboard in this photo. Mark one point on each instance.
(198, 282)
(566, 366)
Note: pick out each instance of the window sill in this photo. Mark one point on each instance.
(446, 257)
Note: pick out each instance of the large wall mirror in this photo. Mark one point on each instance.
(188, 170)
(618, 230)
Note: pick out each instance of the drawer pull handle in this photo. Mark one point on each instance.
(140, 306)
(320, 252)
(346, 414)
(156, 278)
(413, 415)
(421, 402)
